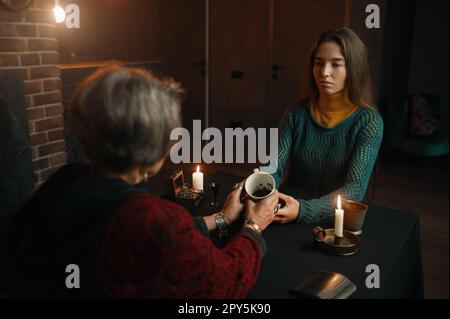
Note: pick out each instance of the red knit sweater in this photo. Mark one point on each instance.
(151, 249)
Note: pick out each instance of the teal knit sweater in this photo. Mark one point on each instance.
(328, 161)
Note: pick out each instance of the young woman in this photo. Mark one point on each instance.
(331, 138)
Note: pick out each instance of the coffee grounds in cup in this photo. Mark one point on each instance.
(261, 192)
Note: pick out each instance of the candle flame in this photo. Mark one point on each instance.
(198, 168)
(339, 202)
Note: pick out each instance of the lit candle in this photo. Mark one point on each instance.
(197, 179)
(338, 219)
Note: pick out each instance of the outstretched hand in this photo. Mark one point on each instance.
(289, 212)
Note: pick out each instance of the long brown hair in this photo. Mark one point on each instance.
(358, 81)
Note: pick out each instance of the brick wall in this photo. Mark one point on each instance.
(29, 49)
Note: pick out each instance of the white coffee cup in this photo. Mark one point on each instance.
(258, 186)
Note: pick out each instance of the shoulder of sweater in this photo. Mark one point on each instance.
(300, 108)
(156, 206)
(370, 116)
(298, 111)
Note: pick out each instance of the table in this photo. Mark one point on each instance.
(390, 239)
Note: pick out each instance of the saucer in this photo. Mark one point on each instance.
(326, 241)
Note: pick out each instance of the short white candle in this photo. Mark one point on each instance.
(338, 219)
(197, 179)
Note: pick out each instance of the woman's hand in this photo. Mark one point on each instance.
(289, 212)
(263, 211)
(233, 206)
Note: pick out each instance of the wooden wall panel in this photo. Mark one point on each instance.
(182, 50)
(246, 36)
(297, 24)
(372, 38)
(239, 42)
(111, 29)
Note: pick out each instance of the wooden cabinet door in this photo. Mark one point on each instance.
(182, 51)
(297, 24)
(258, 51)
(239, 62)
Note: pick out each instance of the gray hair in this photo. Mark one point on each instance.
(123, 117)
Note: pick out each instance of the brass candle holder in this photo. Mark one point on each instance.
(326, 241)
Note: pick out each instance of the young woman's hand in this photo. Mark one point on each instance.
(289, 212)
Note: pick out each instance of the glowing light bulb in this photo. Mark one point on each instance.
(60, 14)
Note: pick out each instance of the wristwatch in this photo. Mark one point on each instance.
(254, 226)
(222, 225)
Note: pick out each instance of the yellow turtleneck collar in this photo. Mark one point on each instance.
(332, 118)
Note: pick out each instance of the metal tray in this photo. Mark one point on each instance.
(327, 242)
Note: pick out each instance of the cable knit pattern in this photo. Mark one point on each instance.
(328, 161)
(151, 249)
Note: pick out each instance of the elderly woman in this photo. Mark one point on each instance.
(125, 243)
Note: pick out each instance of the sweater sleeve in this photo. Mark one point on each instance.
(198, 269)
(200, 224)
(284, 146)
(153, 249)
(359, 170)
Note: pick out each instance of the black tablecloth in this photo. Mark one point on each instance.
(390, 240)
